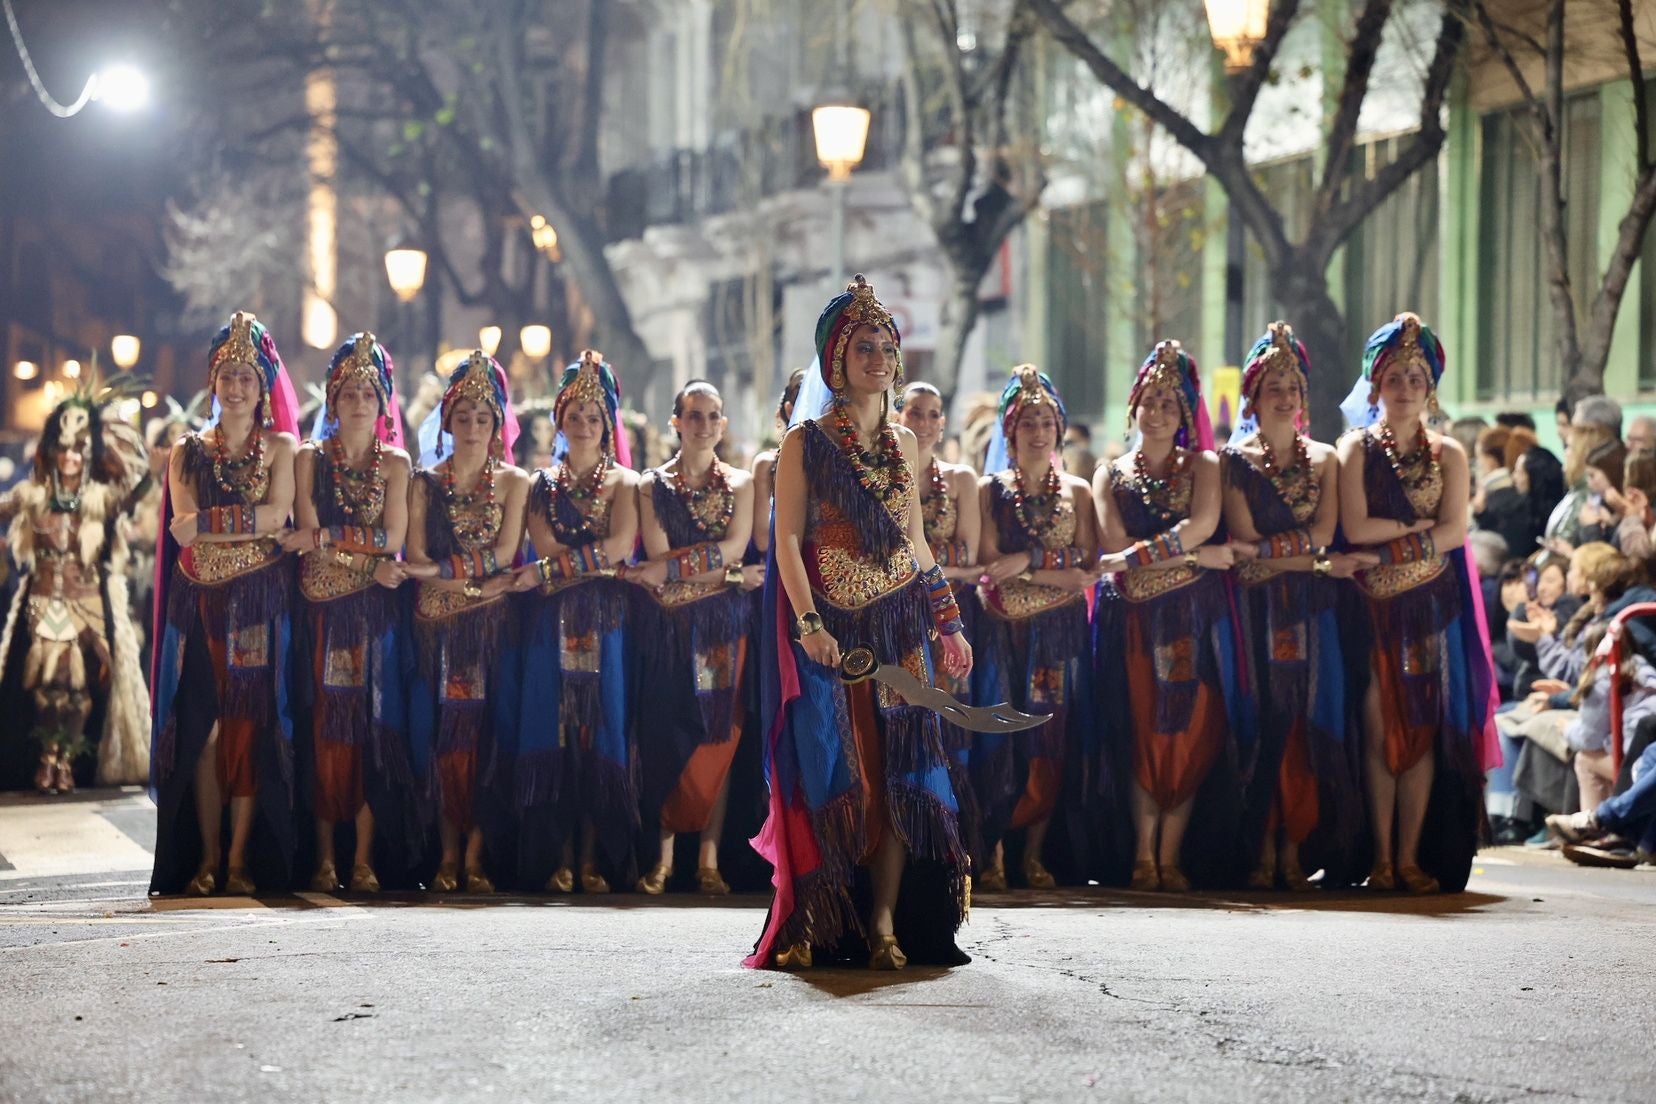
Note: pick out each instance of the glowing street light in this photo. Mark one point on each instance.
(1237, 26)
(149, 399)
(72, 369)
(120, 87)
(536, 341)
(488, 339)
(124, 350)
(405, 268)
(841, 132)
(25, 369)
(545, 236)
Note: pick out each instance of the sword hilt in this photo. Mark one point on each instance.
(858, 665)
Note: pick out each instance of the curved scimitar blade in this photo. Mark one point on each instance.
(973, 718)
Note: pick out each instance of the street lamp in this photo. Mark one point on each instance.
(25, 369)
(536, 341)
(841, 132)
(1237, 26)
(121, 87)
(123, 350)
(488, 339)
(405, 267)
(545, 236)
(71, 369)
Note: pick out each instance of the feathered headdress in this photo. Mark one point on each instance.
(1168, 365)
(1402, 341)
(1027, 387)
(479, 379)
(362, 357)
(592, 380)
(855, 306)
(114, 449)
(1277, 350)
(244, 340)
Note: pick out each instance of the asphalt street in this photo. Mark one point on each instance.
(1535, 985)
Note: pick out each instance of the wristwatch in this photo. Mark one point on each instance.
(472, 589)
(733, 576)
(807, 623)
(1321, 565)
(1027, 575)
(1190, 560)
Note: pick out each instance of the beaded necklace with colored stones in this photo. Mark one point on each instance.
(1293, 483)
(712, 505)
(1051, 488)
(1155, 490)
(883, 472)
(935, 503)
(357, 494)
(246, 477)
(472, 526)
(1410, 470)
(586, 495)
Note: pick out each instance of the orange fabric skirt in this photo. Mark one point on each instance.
(690, 806)
(233, 755)
(339, 794)
(865, 729)
(1040, 795)
(1169, 766)
(1405, 744)
(457, 781)
(1296, 807)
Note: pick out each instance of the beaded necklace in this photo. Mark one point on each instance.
(710, 506)
(471, 527)
(1293, 483)
(366, 495)
(239, 477)
(1157, 491)
(65, 503)
(882, 472)
(1410, 471)
(1051, 487)
(586, 495)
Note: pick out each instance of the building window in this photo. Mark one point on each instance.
(1391, 259)
(1516, 332)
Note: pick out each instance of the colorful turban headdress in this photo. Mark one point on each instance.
(855, 306)
(244, 340)
(1277, 350)
(592, 380)
(479, 379)
(1168, 365)
(1402, 341)
(362, 357)
(1027, 387)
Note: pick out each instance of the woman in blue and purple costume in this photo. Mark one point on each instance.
(1039, 549)
(863, 830)
(1164, 642)
(223, 725)
(1426, 715)
(1282, 495)
(465, 519)
(577, 757)
(350, 519)
(695, 513)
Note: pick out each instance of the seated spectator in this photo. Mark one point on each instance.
(1637, 518)
(1539, 477)
(1641, 435)
(1510, 593)
(1620, 831)
(1606, 467)
(1516, 419)
(1596, 421)
(1549, 603)
(1497, 507)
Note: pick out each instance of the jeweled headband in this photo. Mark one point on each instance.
(1028, 387)
(478, 380)
(1402, 341)
(363, 358)
(1277, 350)
(854, 307)
(589, 380)
(1168, 365)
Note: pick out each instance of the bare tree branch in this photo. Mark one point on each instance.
(1360, 57)
(1635, 73)
(1244, 89)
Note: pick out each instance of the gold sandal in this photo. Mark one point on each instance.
(710, 882)
(886, 954)
(655, 882)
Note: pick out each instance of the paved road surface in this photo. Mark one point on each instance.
(1535, 986)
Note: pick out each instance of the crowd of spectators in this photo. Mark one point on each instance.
(1564, 546)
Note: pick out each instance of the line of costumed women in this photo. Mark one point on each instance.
(465, 528)
(350, 520)
(1039, 545)
(577, 771)
(1427, 712)
(1281, 494)
(863, 828)
(1170, 704)
(223, 732)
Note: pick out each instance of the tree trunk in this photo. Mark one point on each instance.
(1319, 324)
(959, 317)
